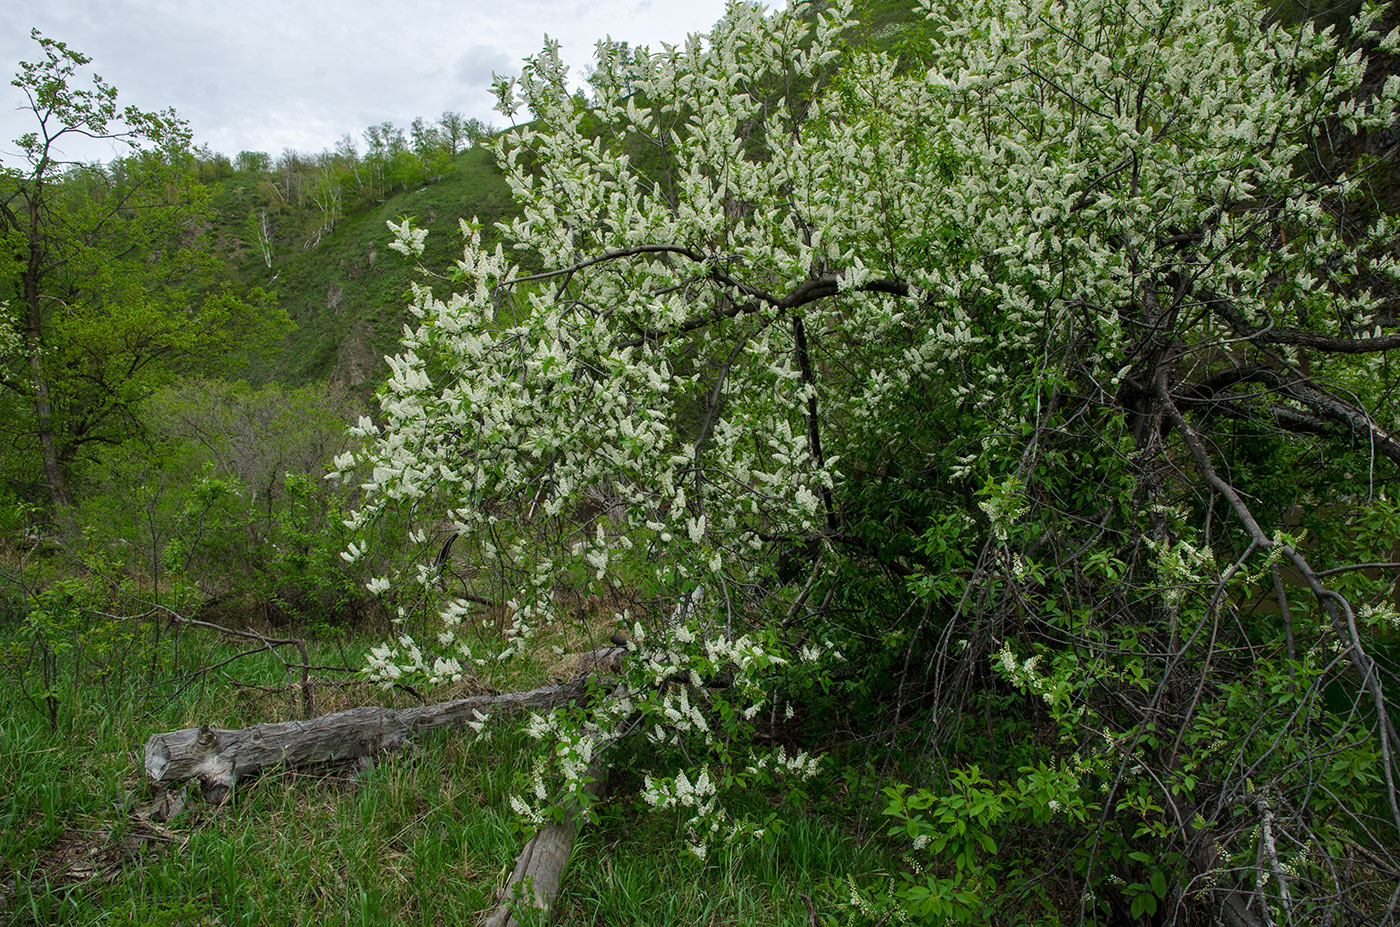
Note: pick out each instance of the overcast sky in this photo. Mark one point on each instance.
(268, 75)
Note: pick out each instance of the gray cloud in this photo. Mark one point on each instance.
(475, 68)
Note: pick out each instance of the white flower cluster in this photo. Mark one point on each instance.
(677, 665)
(1379, 615)
(387, 665)
(565, 769)
(799, 764)
(1003, 506)
(1021, 675)
(407, 239)
(708, 820)
(10, 338)
(1180, 565)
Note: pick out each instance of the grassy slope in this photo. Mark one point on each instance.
(347, 294)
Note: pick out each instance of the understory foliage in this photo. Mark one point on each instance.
(1032, 389)
(216, 513)
(220, 503)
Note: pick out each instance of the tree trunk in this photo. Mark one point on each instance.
(54, 476)
(539, 869)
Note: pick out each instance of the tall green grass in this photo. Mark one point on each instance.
(423, 837)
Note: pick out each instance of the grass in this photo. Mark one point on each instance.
(423, 837)
(634, 871)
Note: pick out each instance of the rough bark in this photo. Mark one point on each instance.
(539, 869)
(219, 758)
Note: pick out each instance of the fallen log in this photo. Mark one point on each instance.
(539, 869)
(219, 758)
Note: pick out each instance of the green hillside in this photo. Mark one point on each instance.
(345, 292)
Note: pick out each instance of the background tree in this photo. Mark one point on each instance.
(460, 132)
(252, 162)
(327, 179)
(454, 131)
(426, 139)
(289, 177)
(105, 269)
(258, 231)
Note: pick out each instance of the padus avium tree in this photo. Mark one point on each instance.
(1043, 369)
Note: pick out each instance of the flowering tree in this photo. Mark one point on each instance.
(1016, 369)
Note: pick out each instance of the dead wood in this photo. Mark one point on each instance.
(539, 869)
(219, 758)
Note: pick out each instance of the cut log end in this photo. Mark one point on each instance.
(216, 788)
(157, 758)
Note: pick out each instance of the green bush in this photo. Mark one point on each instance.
(223, 503)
